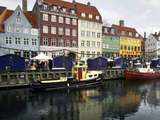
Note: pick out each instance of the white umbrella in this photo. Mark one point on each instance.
(42, 57)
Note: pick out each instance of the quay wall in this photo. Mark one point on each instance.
(23, 79)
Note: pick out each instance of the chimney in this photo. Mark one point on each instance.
(74, 1)
(88, 3)
(121, 23)
(24, 5)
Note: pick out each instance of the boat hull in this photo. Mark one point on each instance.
(71, 84)
(133, 75)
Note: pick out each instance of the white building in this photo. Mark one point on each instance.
(152, 46)
(18, 33)
(89, 31)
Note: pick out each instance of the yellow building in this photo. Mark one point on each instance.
(131, 42)
(130, 47)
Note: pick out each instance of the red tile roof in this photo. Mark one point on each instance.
(29, 15)
(32, 19)
(80, 8)
(119, 29)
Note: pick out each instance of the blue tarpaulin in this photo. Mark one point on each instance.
(12, 62)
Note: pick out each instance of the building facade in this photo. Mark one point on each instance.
(131, 42)
(58, 26)
(111, 42)
(152, 46)
(89, 31)
(18, 33)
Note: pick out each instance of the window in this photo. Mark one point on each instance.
(83, 14)
(9, 29)
(67, 31)
(55, 8)
(112, 31)
(74, 32)
(88, 43)
(82, 54)
(123, 33)
(10, 40)
(67, 20)
(93, 54)
(45, 41)
(88, 33)
(60, 31)
(45, 17)
(26, 41)
(67, 43)
(53, 42)
(98, 44)
(60, 19)
(53, 30)
(17, 41)
(18, 19)
(93, 43)
(74, 43)
(34, 41)
(88, 53)
(83, 33)
(73, 11)
(45, 7)
(130, 34)
(135, 49)
(26, 31)
(98, 35)
(83, 43)
(121, 47)
(98, 53)
(17, 29)
(74, 22)
(53, 18)
(64, 9)
(45, 29)
(60, 42)
(97, 17)
(93, 34)
(7, 41)
(90, 16)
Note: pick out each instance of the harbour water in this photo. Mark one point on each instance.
(116, 100)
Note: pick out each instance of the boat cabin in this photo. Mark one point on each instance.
(79, 70)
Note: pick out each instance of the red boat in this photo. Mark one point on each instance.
(134, 75)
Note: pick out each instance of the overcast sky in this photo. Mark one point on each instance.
(144, 15)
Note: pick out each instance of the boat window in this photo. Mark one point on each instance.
(90, 75)
(95, 75)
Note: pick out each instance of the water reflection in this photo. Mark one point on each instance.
(117, 100)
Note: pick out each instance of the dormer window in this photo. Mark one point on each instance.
(97, 17)
(64, 9)
(83, 14)
(123, 33)
(130, 34)
(73, 11)
(137, 35)
(90, 16)
(105, 30)
(55, 8)
(112, 31)
(45, 7)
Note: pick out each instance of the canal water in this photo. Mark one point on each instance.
(116, 100)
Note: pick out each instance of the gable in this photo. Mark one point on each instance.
(18, 19)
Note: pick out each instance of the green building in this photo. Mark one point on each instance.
(111, 42)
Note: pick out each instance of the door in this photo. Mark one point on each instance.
(79, 73)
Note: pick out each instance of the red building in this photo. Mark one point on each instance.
(58, 25)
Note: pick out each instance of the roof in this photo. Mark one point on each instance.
(119, 29)
(29, 15)
(80, 8)
(32, 18)
(2, 9)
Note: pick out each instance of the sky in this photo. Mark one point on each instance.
(143, 15)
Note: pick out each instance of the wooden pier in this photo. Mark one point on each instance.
(10, 80)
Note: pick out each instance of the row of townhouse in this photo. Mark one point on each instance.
(152, 46)
(55, 26)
